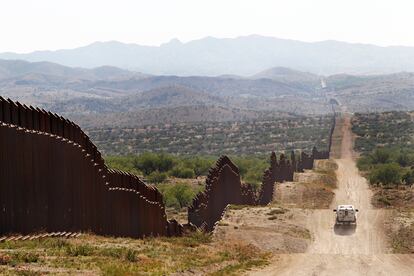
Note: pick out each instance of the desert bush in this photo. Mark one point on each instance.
(156, 177)
(131, 255)
(380, 156)
(202, 165)
(386, 174)
(251, 168)
(244, 137)
(408, 177)
(364, 163)
(151, 162)
(79, 250)
(182, 172)
(178, 195)
(123, 163)
(154, 165)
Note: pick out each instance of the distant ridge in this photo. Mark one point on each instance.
(20, 68)
(243, 56)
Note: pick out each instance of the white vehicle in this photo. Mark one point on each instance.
(346, 214)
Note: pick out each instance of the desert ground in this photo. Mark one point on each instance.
(305, 241)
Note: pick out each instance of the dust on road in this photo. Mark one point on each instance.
(360, 250)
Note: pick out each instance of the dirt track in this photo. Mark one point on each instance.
(361, 250)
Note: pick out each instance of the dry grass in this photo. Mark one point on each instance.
(244, 257)
(94, 255)
(239, 207)
(274, 212)
(401, 231)
(277, 211)
(403, 240)
(395, 197)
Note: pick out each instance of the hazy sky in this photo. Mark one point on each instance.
(27, 25)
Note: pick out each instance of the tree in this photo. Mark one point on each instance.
(165, 162)
(149, 162)
(386, 174)
(156, 177)
(201, 165)
(146, 162)
(182, 172)
(404, 159)
(380, 156)
(180, 194)
(408, 178)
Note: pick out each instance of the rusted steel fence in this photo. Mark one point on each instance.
(224, 186)
(52, 178)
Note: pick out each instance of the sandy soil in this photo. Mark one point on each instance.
(281, 227)
(274, 229)
(309, 190)
(360, 250)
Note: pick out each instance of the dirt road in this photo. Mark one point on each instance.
(361, 250)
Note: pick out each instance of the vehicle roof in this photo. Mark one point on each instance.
(345, 207)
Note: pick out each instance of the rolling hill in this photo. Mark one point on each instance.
(112, 92)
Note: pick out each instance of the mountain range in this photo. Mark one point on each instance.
(108, 95)
(244, 56)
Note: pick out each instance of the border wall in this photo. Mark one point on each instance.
(224, 186)
(53, 179)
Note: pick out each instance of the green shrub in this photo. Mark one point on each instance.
(251, 168)
(386, 174)
(408, 177)
(150, 162)
(254, 177)
(131, 255)
(25, 257)
(405, 159)
(364, 163)
(182, 172)
(380, 156)
(178, 195)
(123, 163)
(156, 177)
(183, 193)
(79, 250)
(202, 165)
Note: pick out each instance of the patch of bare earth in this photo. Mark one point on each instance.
(400, 228)
(281, 227)
(271, 228)
(400, 223)
(312, 189)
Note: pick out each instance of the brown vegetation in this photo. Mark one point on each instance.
(95, 255)
(393, 197)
